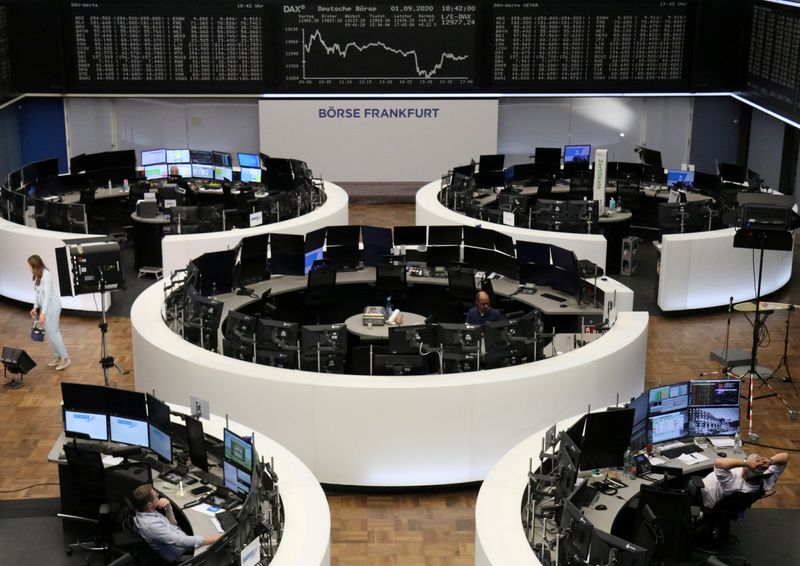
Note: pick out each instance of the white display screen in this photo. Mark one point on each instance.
(160, 443)
(178, 156)
(93, 424)
(154, 156)
(158, 171)
(223, 173)
(128, 431)
(202, 171)
(251, 175)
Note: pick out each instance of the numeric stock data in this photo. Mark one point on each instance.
(580, 45)
(378, 45)
(124, 46)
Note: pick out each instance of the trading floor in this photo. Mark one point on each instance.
(432, 527)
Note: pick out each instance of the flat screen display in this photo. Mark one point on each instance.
(201, 171)
(577, 153)
(668, 398)
(410, 235)
(238, 451)
(178, 156)
(250, 175)
(713, 421)
(223, 173)
(152, 156)
(158, 413)
(93, 424)
(669, 426)
(180, 170)
(249, 160)
(157, 171)
(201, 157)
(310, 258)
(237, 480)
(686, 178)
(714, 392)
(160, 443)
(222, 158)
(128, 431)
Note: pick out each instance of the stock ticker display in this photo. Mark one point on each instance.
(602, 46)
(6, 82)
(203, 46)
(378, 45)
(773, 58)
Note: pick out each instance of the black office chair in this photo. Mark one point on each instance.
(97, 224)
(320, 295)
(87, 479)
(391, 280)
(714, 530)
(673, 511)
(461, 284)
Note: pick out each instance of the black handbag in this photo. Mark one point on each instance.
(37, 334)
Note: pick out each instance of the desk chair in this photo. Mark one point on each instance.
(97, 224)
(391, 280)
(320, 292)
(715, 527)
(462, 288)
(671, 508)
(87, 477)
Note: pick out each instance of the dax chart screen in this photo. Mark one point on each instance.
(375, 45)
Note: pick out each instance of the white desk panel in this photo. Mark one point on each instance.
(178, 250)
(703, 269)
(17, 244)
(387, 430)
(433, 213)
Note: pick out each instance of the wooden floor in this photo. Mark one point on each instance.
(411, 528)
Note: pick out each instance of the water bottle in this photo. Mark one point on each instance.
(612, 204)
(737, 442)
(388, 309)
(627, 462)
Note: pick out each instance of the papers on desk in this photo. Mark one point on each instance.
(206, 509)
(723, 442)
(656, 461)
(109, 461)
(692, 459)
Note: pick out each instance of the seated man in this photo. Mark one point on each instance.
(161, 530)
(483, 312)
(757, 474)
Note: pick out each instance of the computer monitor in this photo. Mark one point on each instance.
(492, 162)
(311, 257)
(222, 159)
(128, 431)
(399, 364)
(732, 173)
(328, 336)
(606, 436)
(684, 178)
(650, 157)
(444, 235)
(84, 397)
(606, 548)
(577, 153)
(480, 259)
(276, 334)
(713, 420)
(126, 403)
(347, 235)
(567, 473)
(711, 392)
(548, 156)
(202, 171)
(443, 256)
(153, 156)
(156, 171)
(410, 235)
(410, 339)
(639, 406)
(287, 254)
(201, 157)
(533, 252)
(249, 160)
(180, 170)
(577, 530)
(253, 262)
(175, 156)
(82, 422)
(668, 398)
(504, 243)
(458, 337)
(668, 426)
(160, 443)
(479, 237)
(342, 257)
(377, 244)
(250, 175)
(238, 451)
(195, 440)
(158, 413)
(241, 326)
(222, 173)
(236, 479)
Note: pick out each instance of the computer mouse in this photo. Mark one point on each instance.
(721, 454)
(563, 306)
(600, 507)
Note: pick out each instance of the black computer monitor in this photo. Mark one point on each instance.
(503, 243)
(399, 364)
(126, 430)
(456, 337)
(577, 530)
(160, 443)
(650, 157)
(533, 252)
(328, 336)
(410, 339)
(250, 175)
(343, 235)
(126, 403)
(479, 237)
(567, 473)
(410, 235)
(215, 272)
(287, 254)
(158, 413)
(222, 158)
(663, 427)
(276, 334)
(577, 153)
(492, 162)
(241, 326)
(606, 436)
(609, 549)
(238, 450)
(548, 159)
(84, 397)
(195, 440)
(377, 244)
(153, 156)
(444, 235)
(95, 425)
(639, 406)
(342, 257)
(201, 157)
(480, 259)
(732, 173)
(443, 256)
(252, 261)
(714, 420)
(714, 392)
(668, 398)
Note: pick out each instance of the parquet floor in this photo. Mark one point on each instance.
(411, 528)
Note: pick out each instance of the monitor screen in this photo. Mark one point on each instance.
(650, 156)
(93, 424)
(249, 160)
(160, 443)
(579, 153)
(157, 171)
(713, 421)
(444, 235)
(222, 159)
(178, 156)
(250, 175)
(195, 440)
(128, 431)
(668, 398)
(669, 426)
(606, 436)
(152, 156)
(126, 403)
(222, 173)
(201, 171)
(548, 155)
(180, 170)
(287, 254)
(343, 235)
(714, 392)
(201, 157)
(639, 405)
(310, 258)
(84, 397)
(236, 479)
(238, 451)
(686, 178)
(158, 413)
(410, 235)
(479, 237)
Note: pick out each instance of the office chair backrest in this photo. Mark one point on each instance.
(736, 504)
(672, 509)
(390, 277)
(462, 284)
(86, 468)
(121, 480)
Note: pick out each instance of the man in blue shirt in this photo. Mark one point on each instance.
(162, 532)
(483, 312)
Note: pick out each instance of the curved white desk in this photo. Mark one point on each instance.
(387, 430)
(433, 213)
(703, 269)
(178, 250)
(307, 530)
(17, 244)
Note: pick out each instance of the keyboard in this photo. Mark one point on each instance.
(226, 519)
(208, 477)
(585, 496)
(553, 297)
(158, 465)
(685, 449)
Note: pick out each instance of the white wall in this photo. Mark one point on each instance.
(766, 148)
(363, 144)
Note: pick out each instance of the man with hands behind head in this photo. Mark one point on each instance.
(747, 475)
(162, 532)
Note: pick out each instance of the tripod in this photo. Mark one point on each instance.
(784, 363)
(107, 362)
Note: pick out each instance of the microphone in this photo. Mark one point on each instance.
(730, 305)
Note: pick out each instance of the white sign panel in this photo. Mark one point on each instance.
(600, 174)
